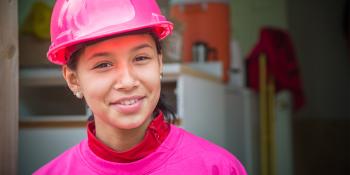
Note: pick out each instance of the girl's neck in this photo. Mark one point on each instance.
(120, 140)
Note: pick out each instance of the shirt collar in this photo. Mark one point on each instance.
(156, 133)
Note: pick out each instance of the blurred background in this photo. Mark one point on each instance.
(266, 79)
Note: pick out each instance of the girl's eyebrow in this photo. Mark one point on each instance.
(100, 54)
(141, 46)
(106, 54)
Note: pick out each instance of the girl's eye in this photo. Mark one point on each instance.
(141, 58)
(102, 65)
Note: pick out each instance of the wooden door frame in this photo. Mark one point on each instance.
(8, 86)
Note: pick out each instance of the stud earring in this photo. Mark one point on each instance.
(79, 95)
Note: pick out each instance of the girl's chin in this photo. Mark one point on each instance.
(131, 122)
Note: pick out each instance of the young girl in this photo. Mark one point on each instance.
(111, 57)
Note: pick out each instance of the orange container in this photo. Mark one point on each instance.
(205, 22)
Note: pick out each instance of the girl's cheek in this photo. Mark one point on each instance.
(152, 71)
(150, 76)
(95, 84)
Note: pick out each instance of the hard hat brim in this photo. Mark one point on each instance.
(61, 53)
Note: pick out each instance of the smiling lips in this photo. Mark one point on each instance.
(128, 105)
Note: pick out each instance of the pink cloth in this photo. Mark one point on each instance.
(180, 153)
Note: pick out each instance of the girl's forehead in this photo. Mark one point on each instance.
(123, 41)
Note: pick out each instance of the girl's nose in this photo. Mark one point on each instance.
(126, 79)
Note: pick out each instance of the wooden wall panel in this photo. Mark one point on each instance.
(8, 87)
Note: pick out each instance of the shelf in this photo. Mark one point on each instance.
(41, 77)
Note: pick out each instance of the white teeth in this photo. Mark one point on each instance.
(128, 102)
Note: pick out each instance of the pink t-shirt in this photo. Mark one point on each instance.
(180, 153)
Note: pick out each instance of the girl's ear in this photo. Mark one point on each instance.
(71, 78)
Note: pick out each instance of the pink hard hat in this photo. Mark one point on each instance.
(77, 21)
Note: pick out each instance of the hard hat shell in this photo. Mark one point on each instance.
(74, 22)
